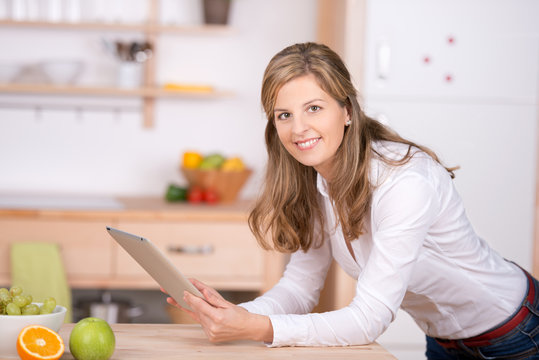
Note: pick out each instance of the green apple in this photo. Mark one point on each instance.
(92, 339)
(213, 161)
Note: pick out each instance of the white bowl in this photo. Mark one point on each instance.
(62, 72)
(11, 326)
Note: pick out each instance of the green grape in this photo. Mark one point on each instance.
(14, 302)
(13, 309)
(44, 310)
(5, 298)
(20, 301)
(31, 309)
(15, 290)
(49, 303)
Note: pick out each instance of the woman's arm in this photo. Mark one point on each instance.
(298, 291)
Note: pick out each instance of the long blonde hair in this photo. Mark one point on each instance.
(287, 209)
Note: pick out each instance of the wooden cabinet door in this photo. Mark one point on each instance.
(86, 249)
(222, 254)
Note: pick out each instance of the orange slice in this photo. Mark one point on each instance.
(37, 342)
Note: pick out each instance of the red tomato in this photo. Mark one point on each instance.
(195, 195)
(211, 196)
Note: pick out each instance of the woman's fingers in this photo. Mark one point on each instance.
(215, 299)
(197, 304)
(199, 284)
(174, 303)
(211, 295)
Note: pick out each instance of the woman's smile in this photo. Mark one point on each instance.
(307, 144)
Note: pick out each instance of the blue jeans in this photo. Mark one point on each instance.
(520, 343)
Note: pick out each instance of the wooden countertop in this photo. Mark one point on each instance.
(140, 208)
(165, 341)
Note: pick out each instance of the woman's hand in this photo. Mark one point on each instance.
(222, 320)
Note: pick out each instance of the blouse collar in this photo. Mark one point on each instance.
(322, 185)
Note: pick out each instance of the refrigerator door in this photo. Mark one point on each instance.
(459, 50)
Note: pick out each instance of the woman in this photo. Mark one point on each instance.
(339, 185)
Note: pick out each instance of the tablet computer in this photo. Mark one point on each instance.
(156, 264)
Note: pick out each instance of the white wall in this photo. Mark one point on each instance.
(110, 153)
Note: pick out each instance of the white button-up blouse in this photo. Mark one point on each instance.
(418, 252)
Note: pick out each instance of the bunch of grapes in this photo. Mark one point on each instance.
(14, 302)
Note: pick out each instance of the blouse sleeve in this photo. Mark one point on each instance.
(402, 212)
(298, 291)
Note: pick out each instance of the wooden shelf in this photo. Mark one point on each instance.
(101, 26)
(150, 30)
(146, 92)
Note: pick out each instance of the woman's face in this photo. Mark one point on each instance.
(310, 123)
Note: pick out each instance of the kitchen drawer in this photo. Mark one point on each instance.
(222, 254)
(85, 249)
